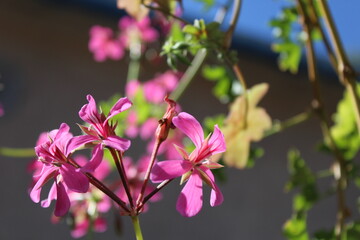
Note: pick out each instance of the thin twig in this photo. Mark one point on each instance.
(295, 120)
(346, 72)
(121, 170)
(150, 195)
(189, 74)
(94, 181)
(318, 104)
(165, 13)
(148, 171)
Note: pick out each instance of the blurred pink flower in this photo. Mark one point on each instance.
(131, 125)
(194, 168)
(135, 175)
(87, 209)
(156, 89)
(2, 111)
(131, 88)
(103, 44)
(132, 31)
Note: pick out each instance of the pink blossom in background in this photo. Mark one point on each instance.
(135, 175)
(194, 168)
(131, 125)
(101, 131)
(132, 31)
(131, 88)
(147, 130)
(53, 154)
(103, 44)
(2, 111)
(87, 208)
(156, 89)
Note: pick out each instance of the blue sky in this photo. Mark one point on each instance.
(255, 15)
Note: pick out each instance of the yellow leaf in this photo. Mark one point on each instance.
(240, 132)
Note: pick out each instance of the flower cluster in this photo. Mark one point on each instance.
(79, 184)
(105, 44)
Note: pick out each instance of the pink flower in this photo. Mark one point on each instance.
(103, 45)
(136, 31)
(56, 165)
(100, 131)
(194, 168)
(156, 89)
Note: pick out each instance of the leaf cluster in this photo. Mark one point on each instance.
(189, 39)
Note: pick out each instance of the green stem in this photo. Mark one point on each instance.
(17, 152)
(297, 119)
(137, 228)
(189, 74)
(134, 65)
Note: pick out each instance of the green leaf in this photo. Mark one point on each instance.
(324, 235)
(254, 154)
(207, 3)
(344, 131)
(295, 228)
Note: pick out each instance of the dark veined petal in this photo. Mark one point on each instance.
(47, 174)
(190, 200)
(169, 169)
(79, 141)
(217, 141)
(52, 196)
(191, 127)
(97, 156)
(62, 200)
(74, 179)
(216, 196)
(121, 105)
(117, 143)
(89, 112)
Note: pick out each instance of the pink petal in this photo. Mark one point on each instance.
(191, 127)
(190, 200)
(63, 202)
(217, 141)
(46, 175)
(117, 143)
(97, 156)
(216, 197)
(74, 179)
(169, 169)
(89, 112)
(121, 105)
(52, 196)
(100, 225)
(79, 141)
(80, 229)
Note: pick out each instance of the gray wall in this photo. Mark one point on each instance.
(47, 71)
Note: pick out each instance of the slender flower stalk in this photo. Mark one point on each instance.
(161, 135)
(137, 228)
(121, 169)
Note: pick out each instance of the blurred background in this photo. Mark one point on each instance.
(46, 71)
